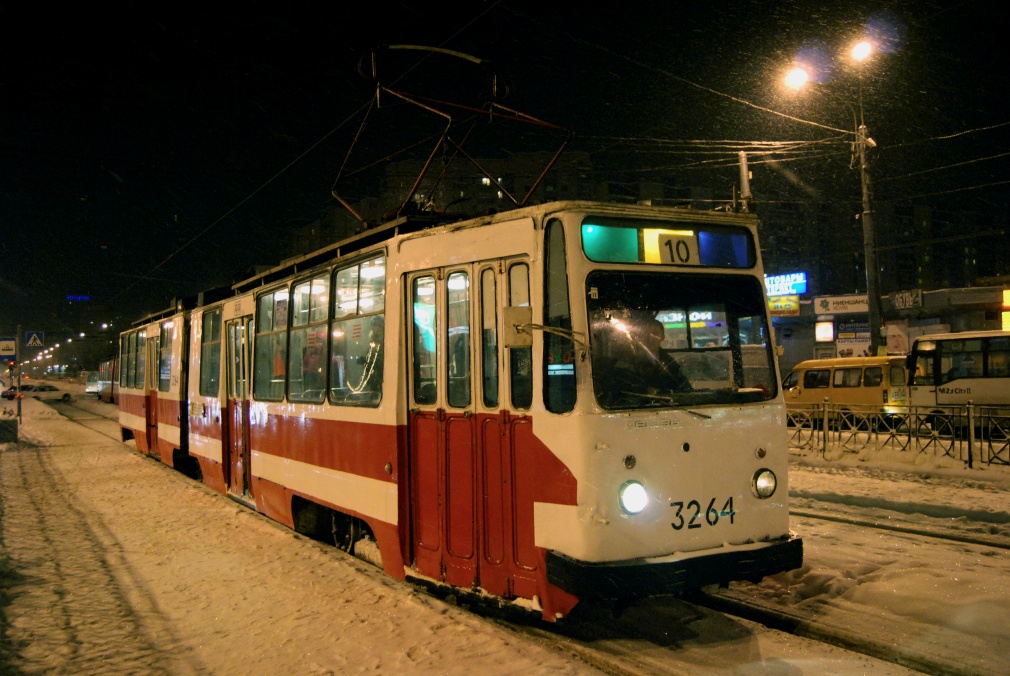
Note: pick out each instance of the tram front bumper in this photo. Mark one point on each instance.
(673, 575)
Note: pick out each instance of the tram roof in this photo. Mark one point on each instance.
(422, 221)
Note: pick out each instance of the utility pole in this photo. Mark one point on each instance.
(869, 243)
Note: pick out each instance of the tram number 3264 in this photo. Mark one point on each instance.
(690, 514)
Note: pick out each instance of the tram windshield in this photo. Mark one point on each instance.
(660, 339)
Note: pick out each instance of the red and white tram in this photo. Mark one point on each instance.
(485, 401)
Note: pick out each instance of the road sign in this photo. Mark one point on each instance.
(8, 350)
(34, 339)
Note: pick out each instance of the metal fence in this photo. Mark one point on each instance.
(970, 434)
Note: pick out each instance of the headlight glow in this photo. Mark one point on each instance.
(765, 483)
(632, 497)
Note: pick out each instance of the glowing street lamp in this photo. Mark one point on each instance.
(796, 79)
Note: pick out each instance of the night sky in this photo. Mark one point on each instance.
(149, 153)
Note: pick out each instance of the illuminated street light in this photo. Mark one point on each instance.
(861, 50)
(796, 79)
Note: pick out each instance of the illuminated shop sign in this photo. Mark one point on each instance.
(791, 284)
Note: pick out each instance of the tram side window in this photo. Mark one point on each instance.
(210, 353)
(559, 351)
(124, 356)
(133, 347)
(424, 356)
(165, 357)
(458, 323)
(357, 334)
(817, 378)
(520, 358)
(999, 357)
(489, 337)
(271, 345)
(310, 300)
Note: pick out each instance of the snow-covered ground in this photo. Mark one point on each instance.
(948, 601)
(95, 537)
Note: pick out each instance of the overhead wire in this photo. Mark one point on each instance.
(192, 240)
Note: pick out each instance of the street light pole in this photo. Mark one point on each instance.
(796, 79)
(869, 243)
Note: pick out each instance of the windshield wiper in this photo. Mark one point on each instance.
(669, 400)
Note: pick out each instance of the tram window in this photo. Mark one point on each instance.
(559, 351)
(271, 345)
(346, 287)
(140, 354)
(847, 377)
(165, 357)
(458, 323)
(489, 338)
(357, 334)
(520, 358)
(424, 345)
(126, 360)
(307, 348)
(210, 353)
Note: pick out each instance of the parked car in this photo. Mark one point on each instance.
(12, 392)
(50, 393)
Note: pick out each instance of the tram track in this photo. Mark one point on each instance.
(734, 602)
(935, 533)
(658, 635)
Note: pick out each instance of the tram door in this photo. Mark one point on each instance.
(237, 466)
(461, 429)
(151, 362)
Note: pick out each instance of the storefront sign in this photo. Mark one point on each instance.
(905, 300)
(838, 305)
(784, 306)
(790, 284)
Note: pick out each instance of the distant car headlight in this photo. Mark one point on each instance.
(633, 497)
(765, 483)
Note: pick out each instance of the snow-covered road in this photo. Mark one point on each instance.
(113, 563)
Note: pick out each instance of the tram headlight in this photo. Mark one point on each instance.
(632, 497)
(765, 483)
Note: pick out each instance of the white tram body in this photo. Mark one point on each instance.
(152, 385)
(458, 395)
